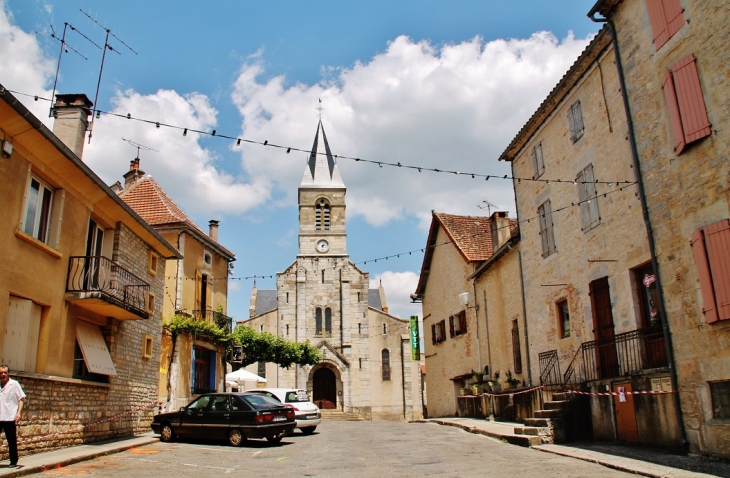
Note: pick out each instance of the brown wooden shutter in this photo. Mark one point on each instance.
(658, 22)
(433, 334)
(695, 123)
(673, 13)
(703, 273)
(462, 321)
(516, 352)
(674, 118)
(451, 326)
(717, 240)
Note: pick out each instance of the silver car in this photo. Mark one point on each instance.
(306, 413)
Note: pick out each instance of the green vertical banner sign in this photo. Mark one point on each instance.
(415, 339)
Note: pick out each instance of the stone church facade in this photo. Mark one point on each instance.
(366, 368)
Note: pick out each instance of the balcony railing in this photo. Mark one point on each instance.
(222, 321)
(100, 277)
(625, 354)
(550, 368)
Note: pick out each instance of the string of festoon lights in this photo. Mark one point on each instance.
(214, 133)
(433, 246)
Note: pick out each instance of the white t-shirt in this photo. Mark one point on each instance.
(10, 395)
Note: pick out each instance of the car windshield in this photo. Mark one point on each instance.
(296, 396)
(261, 401)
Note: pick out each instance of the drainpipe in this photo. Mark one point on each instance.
(476, 319)
(647, 223)
(524, 314)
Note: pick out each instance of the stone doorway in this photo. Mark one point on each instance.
(324, 388)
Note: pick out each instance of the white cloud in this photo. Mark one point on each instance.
(452, 107)
(25, 68)
(398, 288)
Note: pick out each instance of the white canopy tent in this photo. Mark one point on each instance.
(241, 376)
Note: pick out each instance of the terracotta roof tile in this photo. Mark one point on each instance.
(470, 234)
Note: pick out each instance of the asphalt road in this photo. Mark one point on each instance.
(377, 449)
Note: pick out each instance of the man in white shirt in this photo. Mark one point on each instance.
(11, 404)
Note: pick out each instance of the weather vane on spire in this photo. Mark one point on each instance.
(320, 109)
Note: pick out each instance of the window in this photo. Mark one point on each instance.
(666, 19)
(152, 261)
(262, 369)
(359, 361)
(546, 228)
(322, 215)
(328, 320)
(358, 297)
(564, 318)
(203, 291)
(287, 329)
(385, 329)
(575, 122)
(711, 247)
(38, 206)
(588, 198)
(318, 321)
(537, 160)
(359, 328)
(322, 276)
(385, 364)
(720, 392)
(457, 324)
(147, 344)
(22, 327)
(287, 297)
(686, 105)
(261, 329)
(207, 258)
(516, 351)
(438, 332)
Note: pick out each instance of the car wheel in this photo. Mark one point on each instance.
(308, 430)
(167, 434)
(236, 437)
(276, 439)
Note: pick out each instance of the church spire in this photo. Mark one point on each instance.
(321, 170)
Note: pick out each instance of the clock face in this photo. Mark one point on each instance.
(322, 245)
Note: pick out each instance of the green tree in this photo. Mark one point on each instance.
(266, 347)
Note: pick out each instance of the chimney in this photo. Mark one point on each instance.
(381, 293)
(133, 175)
(71, 113)
(499, 224)
(213, 231)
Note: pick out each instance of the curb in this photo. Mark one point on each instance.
(60, 463)
(520, 440)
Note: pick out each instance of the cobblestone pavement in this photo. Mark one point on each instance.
(344, 449)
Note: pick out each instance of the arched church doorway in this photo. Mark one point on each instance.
(324, 388)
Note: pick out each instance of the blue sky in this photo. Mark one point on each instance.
(434, 84)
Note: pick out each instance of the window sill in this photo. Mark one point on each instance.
(36, 243)
(54, 378)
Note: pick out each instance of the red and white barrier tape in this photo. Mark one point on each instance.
(79, 427)
(615, 394)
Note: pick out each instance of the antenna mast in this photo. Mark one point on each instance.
(139, 146)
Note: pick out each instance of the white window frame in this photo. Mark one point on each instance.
(55, 209)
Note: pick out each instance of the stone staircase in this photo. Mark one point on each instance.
(336, 414)
(552, 422)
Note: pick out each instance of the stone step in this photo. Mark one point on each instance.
(548, 413)
(557, 404)
(338, 415)
(559, 396)
(538, 422)
(535, 431)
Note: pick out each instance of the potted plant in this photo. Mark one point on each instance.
(464, 391)
(476, 389)
(478, 377)
(511, 381)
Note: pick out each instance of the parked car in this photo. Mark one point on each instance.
(232, 416)
(307, 414)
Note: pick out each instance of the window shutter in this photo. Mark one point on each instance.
(451, 326)
(462, 321)
(549, 226)
(198, 288)
(675, 120)
(717, 239)
(433, 334)
(673, 14)
(534, 162)
(695, 123)
(209, 293)
(571, 123)
(703, 273)
(578, 120)
(591, 192)
(658, 22)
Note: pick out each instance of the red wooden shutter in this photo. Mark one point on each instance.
(673, 13)
(717, 239)
(675, 120)
(658, 22)
(703, 273)
(695, 122)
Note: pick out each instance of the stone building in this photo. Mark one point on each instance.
(195, 286)
(675, 59)
(592, 314)
(324, 298)
(80, 286)
(456, 337)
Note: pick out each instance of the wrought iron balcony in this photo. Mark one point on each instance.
(222, 321)
(101, 285)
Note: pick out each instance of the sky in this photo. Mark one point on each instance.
(432, 84)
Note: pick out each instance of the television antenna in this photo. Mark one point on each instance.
(64, 47)
(488, 206)
(140, 147)
(107, 46)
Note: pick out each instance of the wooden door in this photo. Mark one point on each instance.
(324, 383)
(606, 357)
(626, 428)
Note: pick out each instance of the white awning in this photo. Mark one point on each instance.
(93, 347)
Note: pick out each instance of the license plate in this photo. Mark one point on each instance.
(312, 416)
(279, 418)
